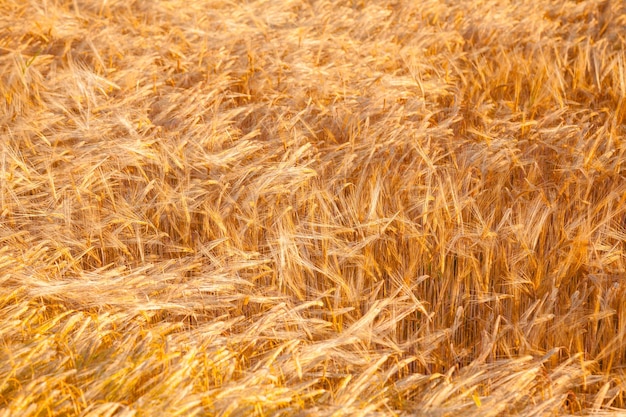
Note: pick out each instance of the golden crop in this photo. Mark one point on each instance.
(312, 208)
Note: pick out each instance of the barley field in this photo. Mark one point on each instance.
(312, 208)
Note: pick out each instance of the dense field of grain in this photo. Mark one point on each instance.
(312, 208)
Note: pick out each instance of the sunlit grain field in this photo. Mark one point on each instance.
(312, 208)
